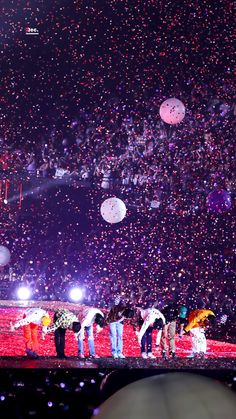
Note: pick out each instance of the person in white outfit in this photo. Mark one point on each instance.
(32, 319)
(87, 317)
(198, 321)
(148, 319)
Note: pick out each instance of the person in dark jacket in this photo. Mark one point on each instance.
(115, 318)
(171, 313)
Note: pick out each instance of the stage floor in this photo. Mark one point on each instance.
(104, 363)
(12, 350)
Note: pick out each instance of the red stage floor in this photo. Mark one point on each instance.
(12, 343)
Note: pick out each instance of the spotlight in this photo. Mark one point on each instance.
(76, 294)
(23, 293)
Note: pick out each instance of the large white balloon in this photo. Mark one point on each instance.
(168, 396)
(5, 256)
(172, 111)
(113, 210)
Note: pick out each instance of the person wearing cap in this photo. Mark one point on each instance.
(87, 317)
(115, 318)
(32, 319)
(63, 320)
(197, 323)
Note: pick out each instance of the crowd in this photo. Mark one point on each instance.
(132, 149)
(52, 393)
(167, 171)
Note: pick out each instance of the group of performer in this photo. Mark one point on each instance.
(143, 321)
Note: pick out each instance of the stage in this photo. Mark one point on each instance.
(220, 355)
(104, 363)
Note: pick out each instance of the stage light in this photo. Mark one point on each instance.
(76, 294)
(23, 293)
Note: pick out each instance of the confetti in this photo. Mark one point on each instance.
(80, 107)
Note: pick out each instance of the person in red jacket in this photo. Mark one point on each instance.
(32, 319)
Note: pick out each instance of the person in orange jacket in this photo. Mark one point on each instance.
(197, 322)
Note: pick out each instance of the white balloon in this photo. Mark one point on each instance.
(172, 111)
(5, 256)
(113, 210)
(172, 395)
